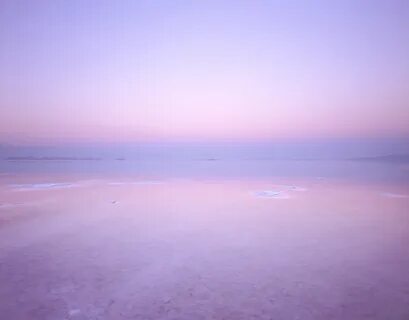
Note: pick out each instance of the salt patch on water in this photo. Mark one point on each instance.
(74, 312)
(136, 183)
(293, 188)
(272, 194)
(6, 205)
(10, 205)
(280, 192)
(41, 186)
(394, 195)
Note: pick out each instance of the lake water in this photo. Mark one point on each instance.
(194, 239)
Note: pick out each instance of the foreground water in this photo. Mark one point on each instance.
(204, 240)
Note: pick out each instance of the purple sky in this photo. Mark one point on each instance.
(131, 71)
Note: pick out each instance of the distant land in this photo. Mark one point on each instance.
(52, 159)
(391, 158)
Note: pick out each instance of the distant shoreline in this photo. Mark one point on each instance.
(393, 158)
(51, 159)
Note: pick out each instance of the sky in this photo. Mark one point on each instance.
(122, 72)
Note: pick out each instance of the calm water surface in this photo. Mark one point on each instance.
(204, 240)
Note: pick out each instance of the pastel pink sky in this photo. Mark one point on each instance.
(127, 71)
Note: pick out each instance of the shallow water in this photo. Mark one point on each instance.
(201, 240)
